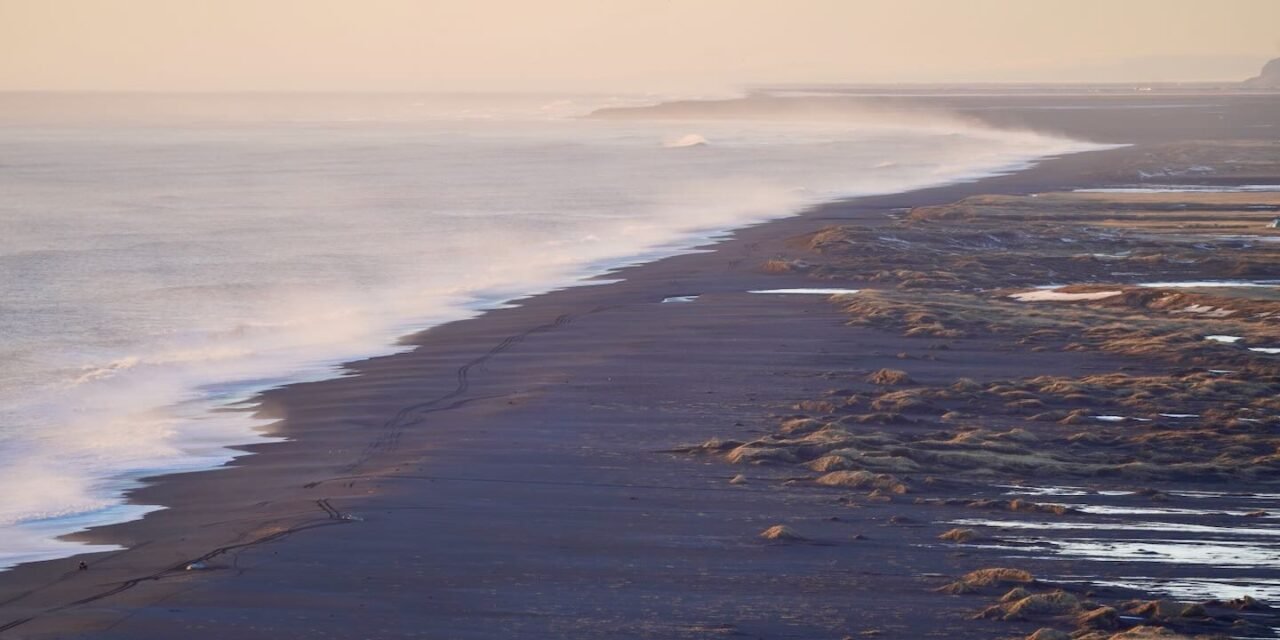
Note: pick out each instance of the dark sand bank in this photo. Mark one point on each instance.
(516, 474)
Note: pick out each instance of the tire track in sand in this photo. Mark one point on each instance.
(332, 517)
(393, 428)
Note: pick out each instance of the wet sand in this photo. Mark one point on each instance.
(519, 474)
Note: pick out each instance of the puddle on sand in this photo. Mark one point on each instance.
(1190, 589)
(1217, 553)
(1050, 291)
(819, 292)
(1163, 527)
(1244, 238)
(1014, 489)
(1029, 490)
(1184, 188)
(1209, 284)
(1225, 494)
(1225, 339)
(1237, 339)
(1192, 560)
(1102, 509)
(1053, 295)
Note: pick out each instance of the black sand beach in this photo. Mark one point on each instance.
(521, 474)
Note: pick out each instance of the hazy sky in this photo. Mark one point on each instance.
(619, 45)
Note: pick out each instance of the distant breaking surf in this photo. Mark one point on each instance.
(690, 140)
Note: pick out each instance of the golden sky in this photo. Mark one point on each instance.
(619, 45)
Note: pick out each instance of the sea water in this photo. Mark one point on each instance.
(162, 256)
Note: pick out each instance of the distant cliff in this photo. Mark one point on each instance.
(1268, 79)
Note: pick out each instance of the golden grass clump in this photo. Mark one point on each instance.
(1045, 633)
(991, 577)
(960, 535)
(1040, 605)
(890, 377)
(778, 265)
(782, 533)
(861, 479)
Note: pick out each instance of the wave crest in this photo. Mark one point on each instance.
(687, 140)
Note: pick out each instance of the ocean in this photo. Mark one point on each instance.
(166, 256)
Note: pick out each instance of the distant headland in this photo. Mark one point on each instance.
(1269, 78)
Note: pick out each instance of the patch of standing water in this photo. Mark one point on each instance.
(1197, 284)
(1028, 490)
(1014, 489)
(818, 292)
(1179, 546)
(1218, 553)
(1185, 188)
(1223, 494)
(1240, 238)
(1164, 527)
(1102, 509)
(1052, 295)
(1192, 589)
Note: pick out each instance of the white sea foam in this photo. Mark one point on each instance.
(162, 260)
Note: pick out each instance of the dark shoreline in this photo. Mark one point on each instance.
(512, 418)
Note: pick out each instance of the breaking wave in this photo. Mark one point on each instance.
(688, 140)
